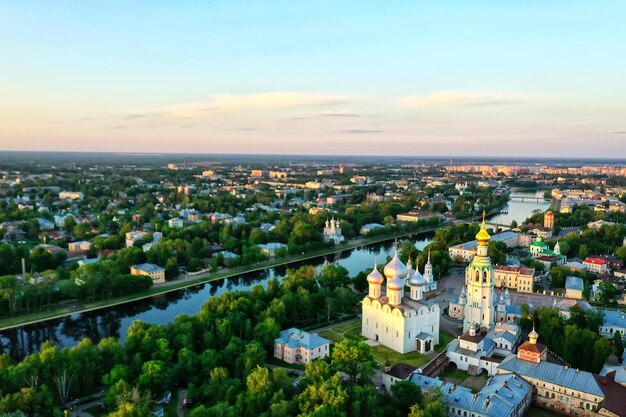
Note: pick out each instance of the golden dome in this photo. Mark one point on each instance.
(483, 237)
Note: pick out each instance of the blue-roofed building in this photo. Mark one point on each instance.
(295, 345)
(269, 249)
(614, 321)
(566, 390)
(574, 287)
(559, 388)
(503, 396)
(153, 271)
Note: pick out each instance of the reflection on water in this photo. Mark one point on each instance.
(114, 321)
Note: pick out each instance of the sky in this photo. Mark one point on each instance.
(423, 78)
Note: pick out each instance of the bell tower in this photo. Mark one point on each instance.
(479, 277)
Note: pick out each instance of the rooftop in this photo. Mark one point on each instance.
(556, 374)
(294, 337)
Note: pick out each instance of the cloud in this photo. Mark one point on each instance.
(338, 113)
(473, 98)
(260, 101)
(361, 131)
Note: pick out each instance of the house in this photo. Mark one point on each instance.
(134, 236)
(515, 278)
(574, 287)
(598, 224)
(45, 224)
(297, 346)
(88, 261)
(543, 232)
(417, 215)
(614, 321)
(80, 246)
(367, 228)
(269, 249)
(575, 266)
(596, 265)
(335, 199)
(71, 195)
(175, 223)
(59, 219)
(153, 271)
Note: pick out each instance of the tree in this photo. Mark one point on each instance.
(607, 292)
(354, 357)
(618, 345)
(404, 394)
(266, 331)
(602, 348)
(333, 276)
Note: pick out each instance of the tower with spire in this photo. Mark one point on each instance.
(479, 278)
(431, 284)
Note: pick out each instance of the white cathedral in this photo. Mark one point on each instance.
(400, 322)
(332, 232)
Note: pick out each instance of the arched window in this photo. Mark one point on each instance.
(484, 276)
(477, 276)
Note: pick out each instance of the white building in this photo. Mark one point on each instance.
(596, 265)
(175, 223)
(332, 232)
(404, 324)
(132, 237)
(71, 195)
(269, 249)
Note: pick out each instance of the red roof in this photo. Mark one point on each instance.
(597, 261)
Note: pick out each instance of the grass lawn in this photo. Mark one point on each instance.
(444, 339)
(539, 412)
(383, 354)
(355, 332)
(332, 336)
(454, 375)
(347, 326)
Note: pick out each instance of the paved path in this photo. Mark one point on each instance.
(80, 410)
(180, 409)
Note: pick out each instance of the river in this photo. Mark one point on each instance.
(114, 321)
(520, 210)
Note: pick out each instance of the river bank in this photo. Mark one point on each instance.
(186, 281)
